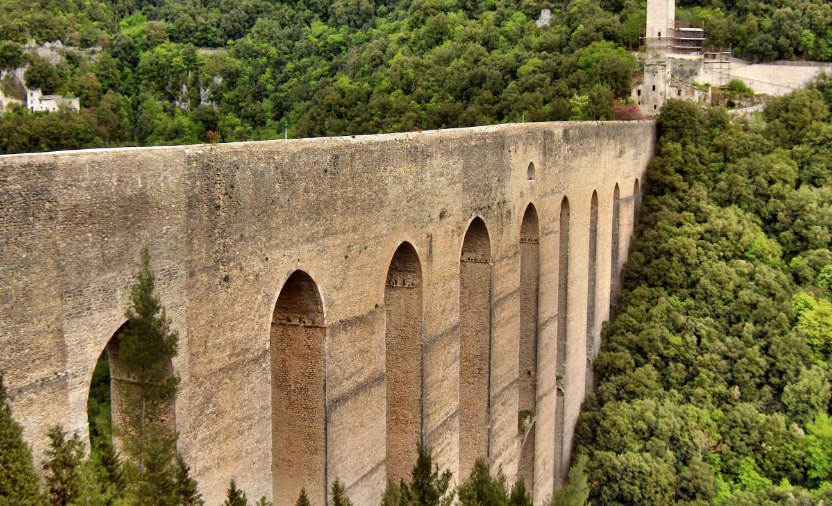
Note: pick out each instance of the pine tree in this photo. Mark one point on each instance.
(519, 495)
(576, 491)
(146, 347)
(63, 473)
(393, 495)
(156, 486)
(185, 485)
(339, 494)
(303, 499)
(112, 471)
(428, 487)
(236, 497)
(480, 488)
(19, 482)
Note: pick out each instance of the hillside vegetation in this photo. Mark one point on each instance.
(715, 367)
(323, 68)
(171, 71)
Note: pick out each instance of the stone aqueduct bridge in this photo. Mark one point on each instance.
(336, 299)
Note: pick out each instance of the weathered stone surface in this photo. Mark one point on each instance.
(227, 225)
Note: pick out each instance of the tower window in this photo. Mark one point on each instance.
(654, 87)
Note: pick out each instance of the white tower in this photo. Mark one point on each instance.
(661, 19)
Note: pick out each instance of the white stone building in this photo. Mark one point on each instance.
(36, 101)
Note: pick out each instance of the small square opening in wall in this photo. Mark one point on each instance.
(638, 92)
(654, 87)
(679, 93)
(655, 107)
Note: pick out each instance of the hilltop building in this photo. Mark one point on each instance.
(37, 101)
(664, 35)
(675, 57)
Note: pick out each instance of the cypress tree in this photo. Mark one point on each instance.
(63, 476)
(19, 483)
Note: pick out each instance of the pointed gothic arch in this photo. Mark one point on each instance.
(529, 289)
(475, 272)
(403, 341)
(591, 294)
(297, 348)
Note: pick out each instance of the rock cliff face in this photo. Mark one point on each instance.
(336, 299)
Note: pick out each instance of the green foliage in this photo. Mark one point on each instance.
(819, 448)
(112, 471)
(310, 64)
(814, 317)
(749, 477)
(824, 280)
(715, 361)
(186, 487)
(339, 494)
(739, 86)
(146, 347)
(19, 483)
(99, 411)
(42, 74)
(809, 395)
(236, 497)
(790, 117)
(427, 486)
(408, 65)
(11, 55)
(303, 499)
(576, 491)
(481, 488)
(63, 476)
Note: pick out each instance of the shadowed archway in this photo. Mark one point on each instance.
(403, 341)
(297, 348)
(529, 287)
(113, 389)
(474, 345)
(616, 236)
(562, 340)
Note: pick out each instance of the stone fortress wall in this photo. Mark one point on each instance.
(318, 287)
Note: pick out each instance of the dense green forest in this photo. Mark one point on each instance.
(324, 68)
(715, 367)
(171, 71)
(764, 31)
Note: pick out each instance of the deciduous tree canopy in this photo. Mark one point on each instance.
(714, 371)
